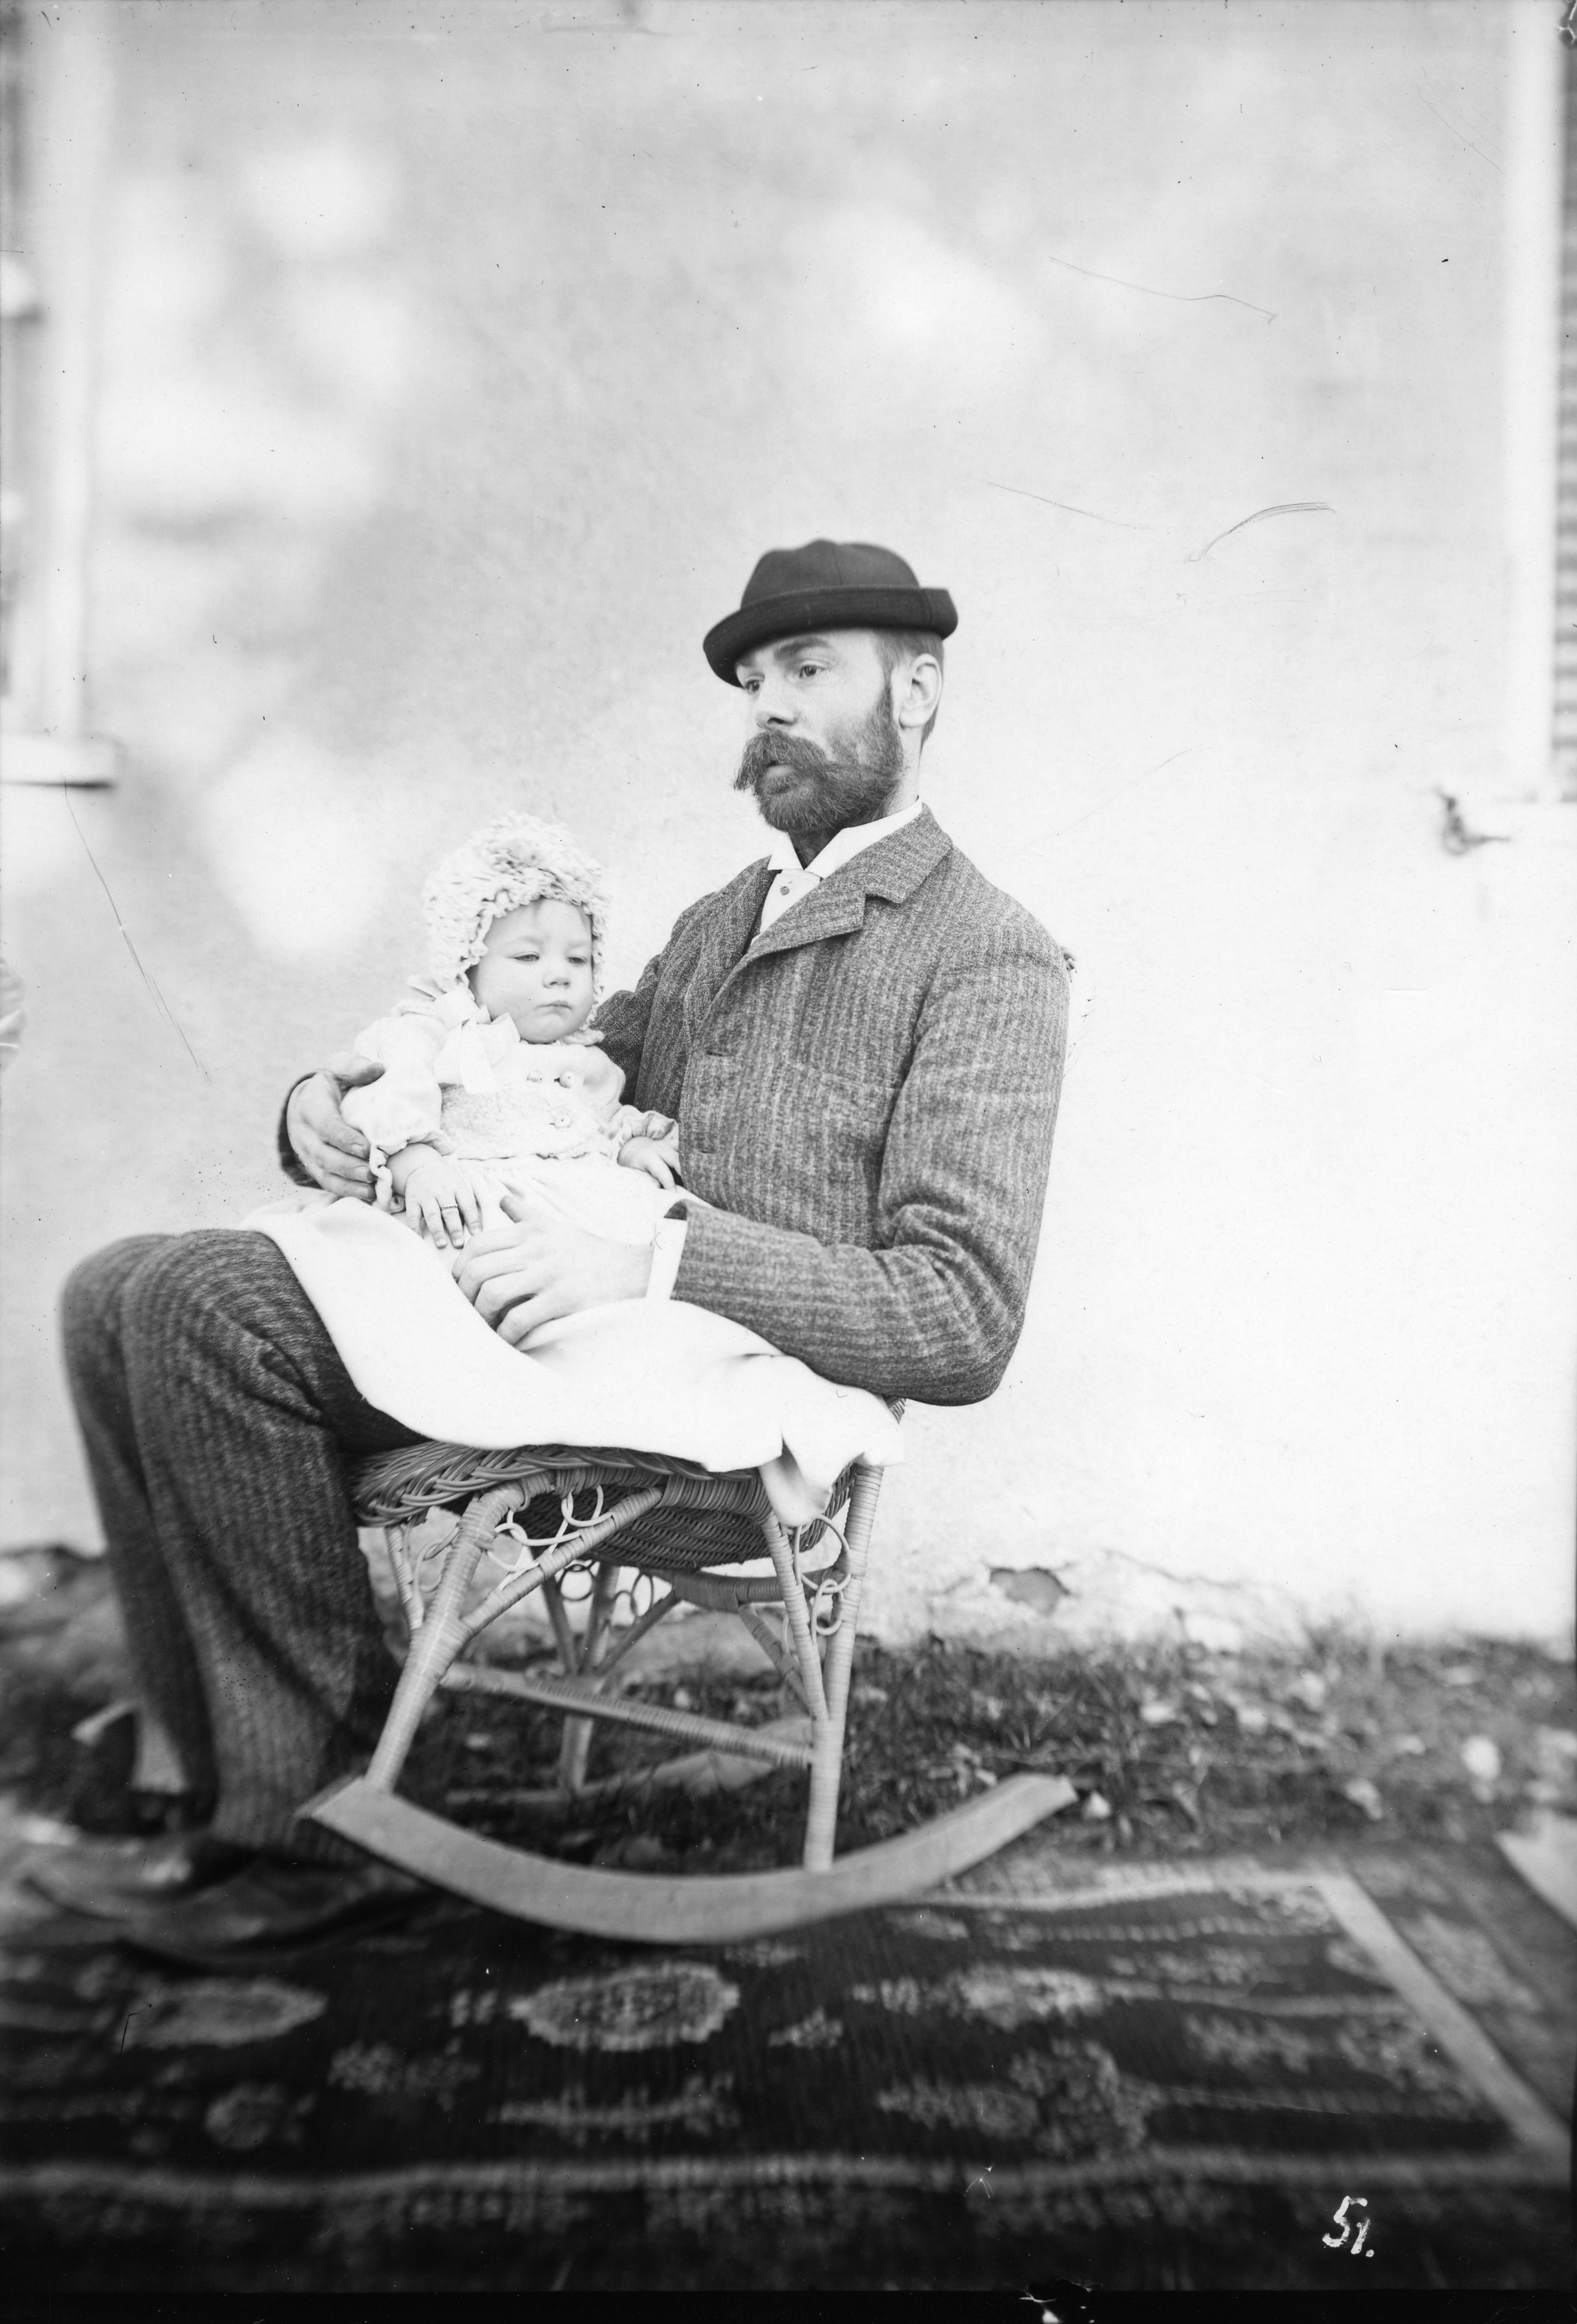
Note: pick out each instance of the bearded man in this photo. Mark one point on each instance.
(862, 1040)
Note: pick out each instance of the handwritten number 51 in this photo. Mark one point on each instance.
(1341, 2220)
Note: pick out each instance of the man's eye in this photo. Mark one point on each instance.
(809, 668)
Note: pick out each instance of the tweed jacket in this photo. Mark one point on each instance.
(866, 1095)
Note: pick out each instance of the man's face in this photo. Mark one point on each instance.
(825, 749)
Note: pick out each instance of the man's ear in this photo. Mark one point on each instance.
(918, 691)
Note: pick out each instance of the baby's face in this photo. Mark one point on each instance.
(537, 969)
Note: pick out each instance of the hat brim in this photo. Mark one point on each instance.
(825, 609)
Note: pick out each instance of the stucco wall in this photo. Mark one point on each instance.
(458, 364)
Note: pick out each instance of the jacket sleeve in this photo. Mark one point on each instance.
(292, 1170)
(935, 1310)
(623, 1019)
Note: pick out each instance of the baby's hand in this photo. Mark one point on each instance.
(441, 1194)
(658, 1156)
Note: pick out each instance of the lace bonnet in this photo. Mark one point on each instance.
(513, 860)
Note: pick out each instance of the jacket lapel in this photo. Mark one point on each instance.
(893, 869)
(728, 932)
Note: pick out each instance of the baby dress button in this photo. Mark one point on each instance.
(561, 1120)
(565, 1081)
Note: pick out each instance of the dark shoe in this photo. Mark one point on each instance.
(273, 1908)
(111, 1879)
(148, 1812)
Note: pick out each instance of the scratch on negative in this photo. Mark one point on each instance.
(1094, 515)
(1127, 784)
(1282, 508)
(161, 1003)
(1459, 134)
(1182, 297)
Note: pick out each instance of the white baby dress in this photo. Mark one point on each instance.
(541, 1120)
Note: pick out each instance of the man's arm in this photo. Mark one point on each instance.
(317, 1146)
(936, 1312)
(623, 1019)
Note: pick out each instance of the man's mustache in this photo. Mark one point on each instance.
(792, 751)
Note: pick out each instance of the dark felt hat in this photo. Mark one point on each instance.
(827, 584)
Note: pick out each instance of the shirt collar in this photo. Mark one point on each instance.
(852, 840)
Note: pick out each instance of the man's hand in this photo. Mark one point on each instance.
(542, 1268)
(322, 1140)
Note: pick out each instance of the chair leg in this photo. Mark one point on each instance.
(827, 1767)
(797, 1619)
(439, 1637)
(576, 1746)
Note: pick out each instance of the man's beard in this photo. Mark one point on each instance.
(857, 787)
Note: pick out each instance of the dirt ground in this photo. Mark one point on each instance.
(1172, 1749)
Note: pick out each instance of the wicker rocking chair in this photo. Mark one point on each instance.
(559, 1509)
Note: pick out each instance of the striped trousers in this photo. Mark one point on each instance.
(217, 1420)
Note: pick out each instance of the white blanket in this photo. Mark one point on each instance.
(651, 1376)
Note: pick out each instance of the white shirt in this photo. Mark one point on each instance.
(792, 881)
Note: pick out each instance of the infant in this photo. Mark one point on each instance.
(493, 1084)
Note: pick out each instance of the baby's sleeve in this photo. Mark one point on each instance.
(603, 1086)
(404, 1106)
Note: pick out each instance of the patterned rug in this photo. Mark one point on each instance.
(1172, 2078)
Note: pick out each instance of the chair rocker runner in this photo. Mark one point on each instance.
(563, 1509)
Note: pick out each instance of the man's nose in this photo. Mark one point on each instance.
(772, 705)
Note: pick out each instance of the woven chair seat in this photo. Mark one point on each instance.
(713, 1520)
